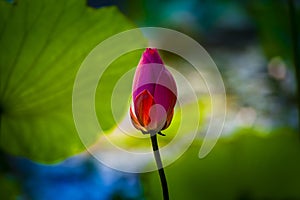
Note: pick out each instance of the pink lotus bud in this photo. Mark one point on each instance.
(154, 94)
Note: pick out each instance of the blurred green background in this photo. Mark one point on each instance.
(255, 46)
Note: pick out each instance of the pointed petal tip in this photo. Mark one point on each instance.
(151, 55)
(151, 51)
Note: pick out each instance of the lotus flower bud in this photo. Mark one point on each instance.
(154, 94)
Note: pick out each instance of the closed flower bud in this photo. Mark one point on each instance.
(154, 94)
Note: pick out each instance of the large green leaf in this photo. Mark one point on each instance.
(42, 46)
(250, 165)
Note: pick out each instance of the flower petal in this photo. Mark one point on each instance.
(147, 72)
(146, 77)
(169, 119)
(158, 118)
(165, 97)
(135, 121)
(142, 105)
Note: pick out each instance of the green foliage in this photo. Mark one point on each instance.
(107, 84)
(42, 46)
(251, 165)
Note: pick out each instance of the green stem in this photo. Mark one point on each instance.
(295, 45)
(160, 167)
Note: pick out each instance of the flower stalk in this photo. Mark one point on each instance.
(160, 167)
